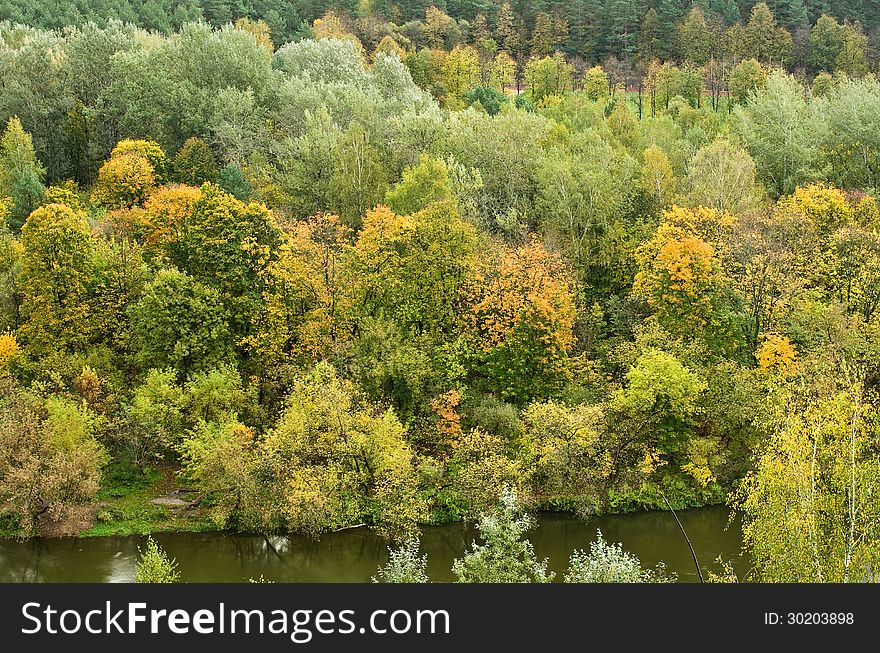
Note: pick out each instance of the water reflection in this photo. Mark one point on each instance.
(353, 555)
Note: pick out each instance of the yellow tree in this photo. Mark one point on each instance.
(461, 71)
(679, 276)
(521, 310)
(55, 274)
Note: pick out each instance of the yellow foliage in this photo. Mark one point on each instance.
(679, 273)
(710, 224)
(523, 285)
(777, 355)
(824, 204)
(8, 351)
(166, 213)
(124, 181)
(259, 30)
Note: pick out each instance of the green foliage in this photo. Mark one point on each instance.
(405, 565)
(490, 99)
(807, 507)
(56, 267)
(21, 173)
(232, 180)
(154, 565)
(194, 163)
(504, 557)
(419, 186)
(180, 323)
(51, 460)
(609, 563)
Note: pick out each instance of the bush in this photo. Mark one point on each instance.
(505, 557)
(154, 565)
(405, 565)
(609, 563)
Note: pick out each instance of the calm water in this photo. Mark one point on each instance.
(353, 555)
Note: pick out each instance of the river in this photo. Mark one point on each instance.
(353, 555)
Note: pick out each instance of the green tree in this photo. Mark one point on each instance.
(420, 185)
(807, 506)
(544, 39)
(766, 41)
(722, 176)
(745, 78)
(21, 174)
(505, 557)
(154, 565)
(826, 43)
(609, 563)
(50, 458)
(695, 39)
(548, 76)
(782, 132)
(56, 267)
(180, 323)
(405, 565)
(194, 163)
(595, 83)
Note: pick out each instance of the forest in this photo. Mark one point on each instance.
(384, 264)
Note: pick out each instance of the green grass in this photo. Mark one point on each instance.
(124, 506)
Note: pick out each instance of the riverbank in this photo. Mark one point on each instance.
(131, 502)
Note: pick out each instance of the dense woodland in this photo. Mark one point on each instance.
(388, 264)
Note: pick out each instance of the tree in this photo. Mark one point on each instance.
(745, 78)
(768, 42)
(722, 176)
(507, 34)
(420, 185)
(695, 40)
(340, 461)
(503, 71)
(461, 71)
(180, 323)
(259, 29)
(124, 181)
(21, 174)
(548, 76)
(807, 506)
(154, 423)
(782, 132)
(521, 314)
(680, 278)
(658, 178)
(657, 405)
(154, 565)
(505, 557)
(50, 459)
(411, 269)
(623, 24)
(405, 565)
(648, 43)
(544, 39)
(220, 242)
(439, 29)
(56, 268)
(194, 163)
(595, 83)
(826, 43)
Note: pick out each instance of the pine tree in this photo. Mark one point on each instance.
(543, 41)
(623, 28)
(669, 12)
(649, 38)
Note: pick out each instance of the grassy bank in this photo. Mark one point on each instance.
(125, 505)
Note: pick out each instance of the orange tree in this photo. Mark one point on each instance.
(521, 312)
